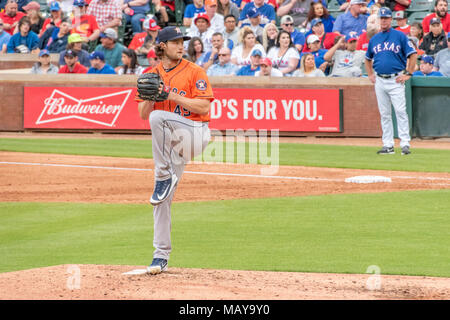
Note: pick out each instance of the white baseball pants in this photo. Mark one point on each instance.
(175, 141)
(390, 92)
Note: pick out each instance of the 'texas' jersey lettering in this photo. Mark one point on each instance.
(186, 79)
(387, 46)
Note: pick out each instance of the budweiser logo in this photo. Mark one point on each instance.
(103, 110)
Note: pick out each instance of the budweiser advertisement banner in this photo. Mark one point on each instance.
(307, 110)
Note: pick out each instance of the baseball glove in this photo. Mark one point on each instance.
(149, 87)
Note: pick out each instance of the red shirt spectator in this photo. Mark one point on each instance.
(72, 65)
(327, 43)
(440, 10)
(11, 17)
(82, 23)
(363, 42)
(77, 68)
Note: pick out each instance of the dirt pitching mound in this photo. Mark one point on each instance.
(98, 282)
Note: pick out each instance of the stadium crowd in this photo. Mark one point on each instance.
(282, 38)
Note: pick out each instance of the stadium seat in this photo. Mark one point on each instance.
(417, 17)
(421, 5)
(179, 11)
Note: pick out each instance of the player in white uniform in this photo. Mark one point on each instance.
(393, 58)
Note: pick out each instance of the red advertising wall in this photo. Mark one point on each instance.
(303, 110)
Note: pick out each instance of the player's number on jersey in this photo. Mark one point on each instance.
(178, 109)
(182, 111)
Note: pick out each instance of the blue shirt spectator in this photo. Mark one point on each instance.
(431, 74)
(266, 10)
(4, 39)
(247, 70)
(353, 22)
(191, 10)
(98, 64)
(23, 43)
(426, 68)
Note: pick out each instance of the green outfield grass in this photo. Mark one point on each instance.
(426, 160)
(401, 233)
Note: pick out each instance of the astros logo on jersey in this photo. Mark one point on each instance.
(201, 85)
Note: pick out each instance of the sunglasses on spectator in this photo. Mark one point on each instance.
(223, 54)
(288, 24)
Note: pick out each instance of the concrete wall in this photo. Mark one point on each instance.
(361, 117)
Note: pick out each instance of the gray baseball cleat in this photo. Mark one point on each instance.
(405, 150)
(386, 150)
(158, 265)
(163, 190)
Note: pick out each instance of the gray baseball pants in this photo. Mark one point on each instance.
(175, 141)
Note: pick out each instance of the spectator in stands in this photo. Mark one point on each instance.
(59, 39)
(435, 40)
(318, 11)
(284, 55)
(130, 64)
(98, 64)
(56, 16)
(395, 5)
(266, 10)
(250, 69)
(426, 68)
(111, 49)
(107, 13)
(72, 65)
(143, 42)
(226, 7)
(165, 9)
(24, 41)
(298, 38)
(65, 5)
(402, 22)
(313, 44)
(417, 31)
(231, 31)
(84, 24)
(43, 65)
(346, 60)
(75, 43)
(247, 43)
(273, 3)
(191, 11)
(269, 36)
(326, 38)
(354, 21)
(212, 57)
(415, 42)
(4, 38)
(33, 11)
(224, 67)
(441, 12)
(203, 30)
(308, 67)
(11, 16)
(254, 22)
(195, 50)
(373, 27)
(267, 70)
(442, 59)
(153, 60)
(134, 12)
(20, 4)
(215, 19)
(297, 9)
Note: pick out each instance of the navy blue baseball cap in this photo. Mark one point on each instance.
(427, 59)
(97, 55)
(171, 33)
(385, 13)
(79, 3)
(315, 21)
(257, 52)
(253, 13)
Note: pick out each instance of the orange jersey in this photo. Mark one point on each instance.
(186, 79)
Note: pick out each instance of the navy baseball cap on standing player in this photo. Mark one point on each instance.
(385, 13)
(170, 33)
